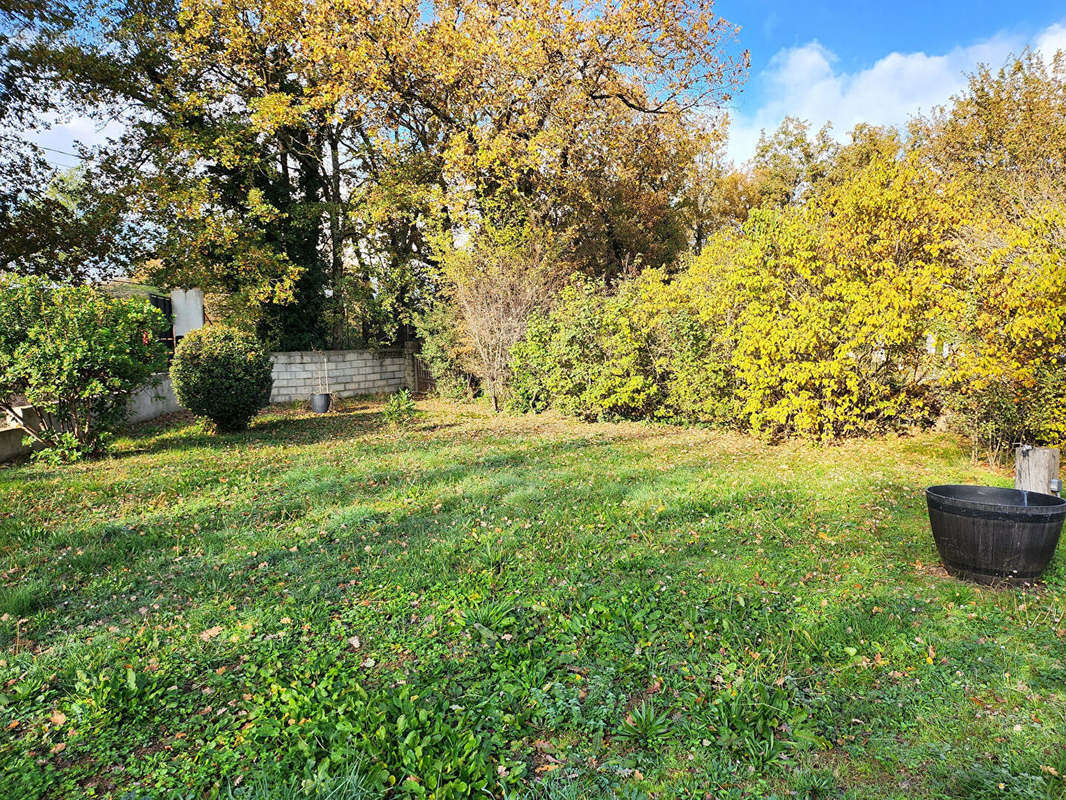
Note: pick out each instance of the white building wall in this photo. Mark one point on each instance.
(188, 310)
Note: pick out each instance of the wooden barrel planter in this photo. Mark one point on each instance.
(992, 535)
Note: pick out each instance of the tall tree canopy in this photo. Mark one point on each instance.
(307, 160)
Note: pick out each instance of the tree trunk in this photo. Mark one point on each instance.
(336, 244)
(1035, 468)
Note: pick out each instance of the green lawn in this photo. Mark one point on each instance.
(520, 607)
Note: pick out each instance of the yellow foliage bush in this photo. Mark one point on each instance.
(871, 307)
(1012, 320)
(827, 309)
(899, 282)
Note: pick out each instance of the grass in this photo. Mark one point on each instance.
(523, 607)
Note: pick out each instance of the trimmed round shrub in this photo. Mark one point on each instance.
(222, 374)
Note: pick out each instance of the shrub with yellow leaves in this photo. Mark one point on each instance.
(828, 308)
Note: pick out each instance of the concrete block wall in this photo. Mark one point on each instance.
(299, 374)
(410, 379)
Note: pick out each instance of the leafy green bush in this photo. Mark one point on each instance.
(530, 371)
(446, 353)
(75, 354)
(399, 409)
(222, 374)
(637, 353)
(589, 358)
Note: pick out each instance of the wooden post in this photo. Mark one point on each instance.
(1035, 468)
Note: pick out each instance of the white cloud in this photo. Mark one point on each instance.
(804, 82)
(1051, 40)
(62, 135)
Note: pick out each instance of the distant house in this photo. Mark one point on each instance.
(183, 308)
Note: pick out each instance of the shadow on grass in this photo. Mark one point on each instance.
(234, 542)
(590, 505)
(277, 426)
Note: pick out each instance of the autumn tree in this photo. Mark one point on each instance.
(1003, 139)
(1004, 132)
(624, 213)
(717, 195)
(74, 226)
(495, 285)
(246, 203)
(533, 100)
(789, 162)
(868, 144)
(297, 157)
(68, 226)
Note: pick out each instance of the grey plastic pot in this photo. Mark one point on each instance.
(321, 402)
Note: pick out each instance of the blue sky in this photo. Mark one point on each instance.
(879, 62)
